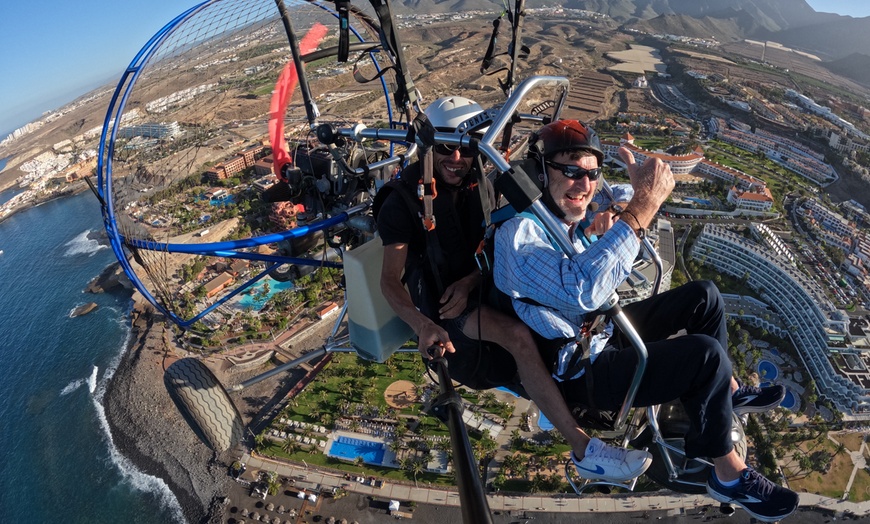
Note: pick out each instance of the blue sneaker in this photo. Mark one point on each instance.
(760, 497)
(605, 462)
(753, 399)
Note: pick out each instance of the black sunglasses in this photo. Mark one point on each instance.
(576, 172)
(443, 149)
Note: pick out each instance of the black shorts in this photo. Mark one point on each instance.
(477, 364)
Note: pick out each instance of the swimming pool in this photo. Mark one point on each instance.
(700, 201)
(543, 422)
(768, 370)
(350, 448)
(274, 287)
(789, 402)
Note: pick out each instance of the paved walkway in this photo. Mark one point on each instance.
(676, 502)
(858, 461)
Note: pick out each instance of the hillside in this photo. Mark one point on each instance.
(790, 22)
(855, 66)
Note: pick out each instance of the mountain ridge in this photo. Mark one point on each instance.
(793, 23)
(842, 42)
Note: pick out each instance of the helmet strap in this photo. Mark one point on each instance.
(546, 197)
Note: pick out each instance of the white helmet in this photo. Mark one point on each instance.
(448, 112)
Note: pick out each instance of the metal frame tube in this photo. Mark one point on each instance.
(472, 498)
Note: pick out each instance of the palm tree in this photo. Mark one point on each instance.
(417, 467)
(290, 446)
(345, 389)
(260, 442)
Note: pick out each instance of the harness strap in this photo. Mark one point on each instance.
(343, 8)
(427, 182)
(487, 58)
(405, 93)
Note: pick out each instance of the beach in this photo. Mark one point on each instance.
(148, 429)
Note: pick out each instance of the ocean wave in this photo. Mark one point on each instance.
(136, 478)
(72, 386)
(92, 380)
(82, 245)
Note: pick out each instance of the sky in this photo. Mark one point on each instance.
(53, 51)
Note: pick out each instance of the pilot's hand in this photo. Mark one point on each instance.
(434, 336)
(454, 299)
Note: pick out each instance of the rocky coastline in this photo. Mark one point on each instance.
(148, 429)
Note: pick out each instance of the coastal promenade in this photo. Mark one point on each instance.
(673, 503)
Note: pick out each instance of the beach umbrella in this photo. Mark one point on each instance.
(342, 521)
(330, 520)
(255, 516)
(245, 512)
(281, 509)
(270, 507)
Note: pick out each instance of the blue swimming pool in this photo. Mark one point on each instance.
(274, 287)
(700, 201)
(543, 422)
(767, 370)
(350, 448)
(789, 402)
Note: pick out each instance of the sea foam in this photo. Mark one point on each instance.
(82, 245)
(138, 479)
(91, 381)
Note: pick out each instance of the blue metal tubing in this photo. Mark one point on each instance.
(222, 300)
(226, 248)
(111, 126)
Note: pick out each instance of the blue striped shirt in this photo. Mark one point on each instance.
(528, 266)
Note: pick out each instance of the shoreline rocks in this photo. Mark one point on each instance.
(112, 278)
(84, 309)
(148, 429)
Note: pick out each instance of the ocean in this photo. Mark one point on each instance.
(59, 463)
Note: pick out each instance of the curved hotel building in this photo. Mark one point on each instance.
(810, 318)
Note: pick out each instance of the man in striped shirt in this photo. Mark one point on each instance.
(554, 294)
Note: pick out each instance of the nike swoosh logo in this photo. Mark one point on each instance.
(598, 469)
(747, 499)
(748, 399)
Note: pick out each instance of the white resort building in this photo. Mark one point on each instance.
(812, 322)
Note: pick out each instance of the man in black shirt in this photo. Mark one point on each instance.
(454, 320)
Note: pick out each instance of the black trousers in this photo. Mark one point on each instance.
(693, 368)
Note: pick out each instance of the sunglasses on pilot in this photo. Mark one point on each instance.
(443, 149)
(576, 172)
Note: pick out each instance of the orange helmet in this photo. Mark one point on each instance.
(565, 135)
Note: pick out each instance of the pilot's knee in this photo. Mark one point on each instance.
(518, 339)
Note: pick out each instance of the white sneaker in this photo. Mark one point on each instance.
(605, 462)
